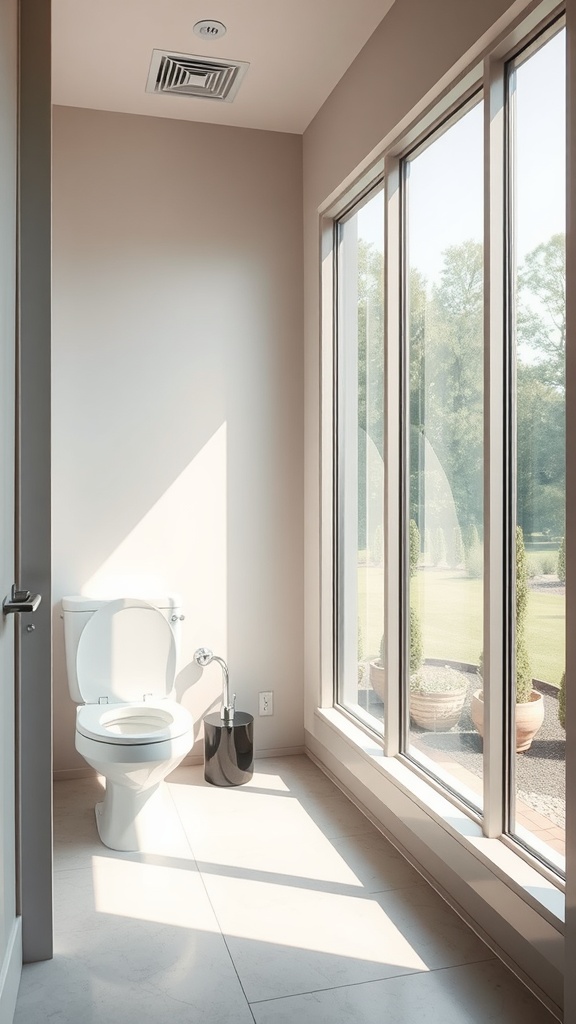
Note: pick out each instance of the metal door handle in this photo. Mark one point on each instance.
(20, 601)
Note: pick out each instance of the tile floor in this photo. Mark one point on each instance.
(273, 903)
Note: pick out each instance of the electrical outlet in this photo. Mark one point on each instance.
(266, 702)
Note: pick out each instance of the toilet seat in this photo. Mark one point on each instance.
(135, 723)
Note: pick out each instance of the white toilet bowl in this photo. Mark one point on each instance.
(114, 651)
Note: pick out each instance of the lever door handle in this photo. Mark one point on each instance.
(20, 601)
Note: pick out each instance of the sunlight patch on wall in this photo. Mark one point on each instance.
(180, 546)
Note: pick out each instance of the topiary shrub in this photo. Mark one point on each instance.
(474, 563)
(416, 646)
(438, 546)
(523, 669)
(547, 565)
(457, 548)
(414, 551)
(561, 566)
(471, 537)
(562, 701)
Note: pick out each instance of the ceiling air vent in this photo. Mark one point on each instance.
(181, 74)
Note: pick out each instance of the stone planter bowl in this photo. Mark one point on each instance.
(437, 711)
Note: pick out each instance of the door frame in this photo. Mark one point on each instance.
(33, 502)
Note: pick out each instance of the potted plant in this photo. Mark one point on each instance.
(377, 673)
(437, 692)
(529, 702)
(437, 696)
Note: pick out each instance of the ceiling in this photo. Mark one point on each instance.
(297, 51)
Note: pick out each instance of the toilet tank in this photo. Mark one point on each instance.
(76, 612)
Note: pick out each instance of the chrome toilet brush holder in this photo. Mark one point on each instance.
(228, 734)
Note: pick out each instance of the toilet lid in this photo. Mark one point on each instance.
(126, 651)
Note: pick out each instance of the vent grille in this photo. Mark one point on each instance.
(181, 74)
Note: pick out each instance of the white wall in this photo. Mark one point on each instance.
(418, 47)
(177, 396)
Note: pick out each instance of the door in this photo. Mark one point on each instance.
(10, 930)
(25, 639)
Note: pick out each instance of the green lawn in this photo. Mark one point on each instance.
(450, 609)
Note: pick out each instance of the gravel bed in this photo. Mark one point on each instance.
(540, 771)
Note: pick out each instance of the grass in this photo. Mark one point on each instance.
(450, 610)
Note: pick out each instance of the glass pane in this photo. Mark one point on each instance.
(538, 117)
(444, 209)
(361, 467)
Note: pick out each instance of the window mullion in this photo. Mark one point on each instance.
(328, 491)
(495, 655)
(393, 601)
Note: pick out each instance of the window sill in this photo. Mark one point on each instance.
(541, 894)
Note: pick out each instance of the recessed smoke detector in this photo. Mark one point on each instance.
(185, 74)
(209, 29)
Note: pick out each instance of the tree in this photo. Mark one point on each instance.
(371, 342)
(446, 385)
(445, 369)
(370, 336)
(540, 448)
(541, 332)
(456, 553)
(541, 325)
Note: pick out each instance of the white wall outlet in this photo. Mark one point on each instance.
(266, 702)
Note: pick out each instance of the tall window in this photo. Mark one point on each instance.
(537, 119)
(450, 449)
(443, 187)
(360, 361)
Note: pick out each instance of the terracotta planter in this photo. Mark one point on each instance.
(378, 679)
(529, 717)
(477, 712)
(437, 711)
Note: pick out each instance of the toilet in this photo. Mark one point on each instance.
(121, 663)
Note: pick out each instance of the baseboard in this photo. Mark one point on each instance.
(68, 774)
(10, 973)
(278, 752)
(191, 760)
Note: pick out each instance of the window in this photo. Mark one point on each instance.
(450, 447)
(360, 361)
(443, 283)
(537, 128)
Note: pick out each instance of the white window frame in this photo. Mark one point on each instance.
(490, 75)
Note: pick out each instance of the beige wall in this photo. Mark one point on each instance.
(177, 395)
